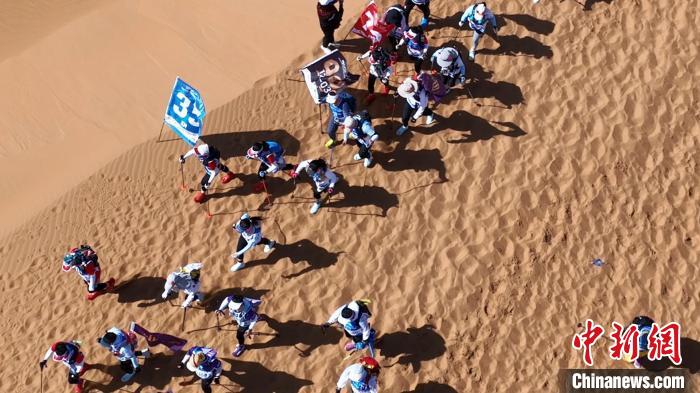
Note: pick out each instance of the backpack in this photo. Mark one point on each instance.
(364, 309)
(434, 86)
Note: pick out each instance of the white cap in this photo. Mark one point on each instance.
(446, 57)
(479, 11)
(350, 122)
(202, 150)
(408, 88)
(332, 97)
(326, 2)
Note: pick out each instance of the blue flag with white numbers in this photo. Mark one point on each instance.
(185, 113)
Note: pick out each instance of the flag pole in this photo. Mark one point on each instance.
(161, 132)
(320, 118)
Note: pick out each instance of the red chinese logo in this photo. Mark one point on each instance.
(624, 343)
(665, 342)
(585, 340)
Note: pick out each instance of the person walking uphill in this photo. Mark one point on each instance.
(329, 18)
(123, 346)
(416, 46)
(451, 66)
(362, 377)
(417, 101)
(271, 157)
(244, 311)
(341, 106)
(478, 17)
(359, 128)
(68, 353)
(324, 179)
(379, 68)
(250, 229)
(203, 362)
(187, 280)
(424, 6)
(354, 318)
(210, 157)
(83, 260)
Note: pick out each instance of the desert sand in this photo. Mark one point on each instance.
(473, 237)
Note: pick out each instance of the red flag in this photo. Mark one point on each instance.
(371, 26)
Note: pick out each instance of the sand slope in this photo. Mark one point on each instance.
(473, 237)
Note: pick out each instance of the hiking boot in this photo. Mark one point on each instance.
(315, 207)
(127, 377)
(239, 350)
(238, 266)
(330, 143)
(356, 157)
(429, 120)
(368, 162)
(401, 130)
(269, 247)
(472, 54)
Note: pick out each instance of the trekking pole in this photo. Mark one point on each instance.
(330, 160)
(184, 313)
(207, 207)
(218, 327)
(267, 195)
(320, 118)
(182, 175)
(393, 108)
(41, 378)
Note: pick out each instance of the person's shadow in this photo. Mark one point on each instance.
(690, 352)
(157, 371)
(277, 185)
(533, 24)
(291, 333)
(347, 195)
(588, 6)
(146, 290)
(475, 128)
(315, 256)
(432, 387)
(402, 159)
(512, 45)
(253, 377)
(413, 346)
(236, 143)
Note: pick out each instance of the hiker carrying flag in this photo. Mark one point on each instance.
(250, 229)
(203, 362)
(396, 16)
(68, 353)
(379, 68)
(324, 179)
(187, 280)
(329, 18)
(354, 318)
(83, 260)
(210, 157)
(123, 346)
(450, 65)
(478, 17)
(359, 128)
(362, 376)
(244, 311)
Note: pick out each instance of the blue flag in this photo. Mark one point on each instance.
(185, 112)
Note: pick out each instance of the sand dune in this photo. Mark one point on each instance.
(473, 237)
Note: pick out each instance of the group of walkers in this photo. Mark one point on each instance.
(353, 318)
(448, 67)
